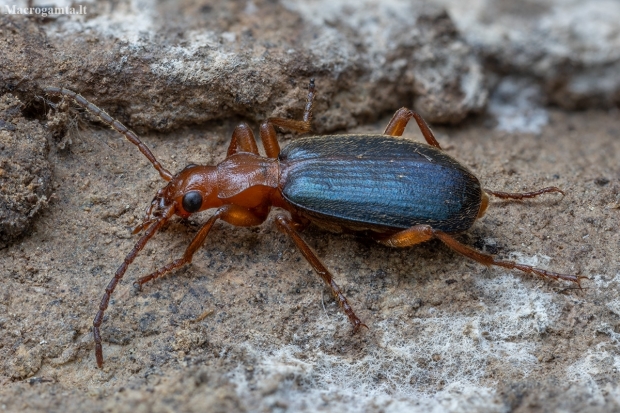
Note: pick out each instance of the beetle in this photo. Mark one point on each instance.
(396, 191)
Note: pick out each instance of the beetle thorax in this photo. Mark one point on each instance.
(246, 179)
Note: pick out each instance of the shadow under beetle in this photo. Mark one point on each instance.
(397, 191)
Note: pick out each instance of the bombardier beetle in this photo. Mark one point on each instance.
(393, 190)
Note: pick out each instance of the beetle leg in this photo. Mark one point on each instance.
(421, 233)
(233, 214)
(522, 195)
(242, 140)
(487, 259)
(408, 237)
(399, 121)
(299, 222)
(299, 125)
(288, 227)
(290, 124)
(270, 140)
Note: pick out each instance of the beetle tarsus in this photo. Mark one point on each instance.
(357, 326)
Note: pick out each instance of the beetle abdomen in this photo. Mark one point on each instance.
(378, 182)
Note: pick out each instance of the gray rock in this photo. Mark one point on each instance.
(572, 47)
(158, 66)
(405, 48)
(25, 173)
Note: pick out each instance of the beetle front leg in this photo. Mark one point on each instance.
(299, 125)
(399, 121)
(288, 227)
(268, 133)
(233, 214)
(242, 140)
(270, 140)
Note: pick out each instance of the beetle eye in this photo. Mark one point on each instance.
(192, 201)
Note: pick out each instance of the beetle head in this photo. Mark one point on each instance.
(192, 190)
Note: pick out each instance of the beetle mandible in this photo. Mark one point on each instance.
(391, 189)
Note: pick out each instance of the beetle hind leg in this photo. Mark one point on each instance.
(421, 233)
(488, 260)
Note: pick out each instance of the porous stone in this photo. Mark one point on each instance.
(571, 47)
(162, 65)
(25, 173)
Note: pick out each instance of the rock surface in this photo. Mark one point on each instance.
(248, 326)
(25, 172)
(162, 65)
(571, 47)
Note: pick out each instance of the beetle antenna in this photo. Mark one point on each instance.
(105, 301)
(113, 123)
